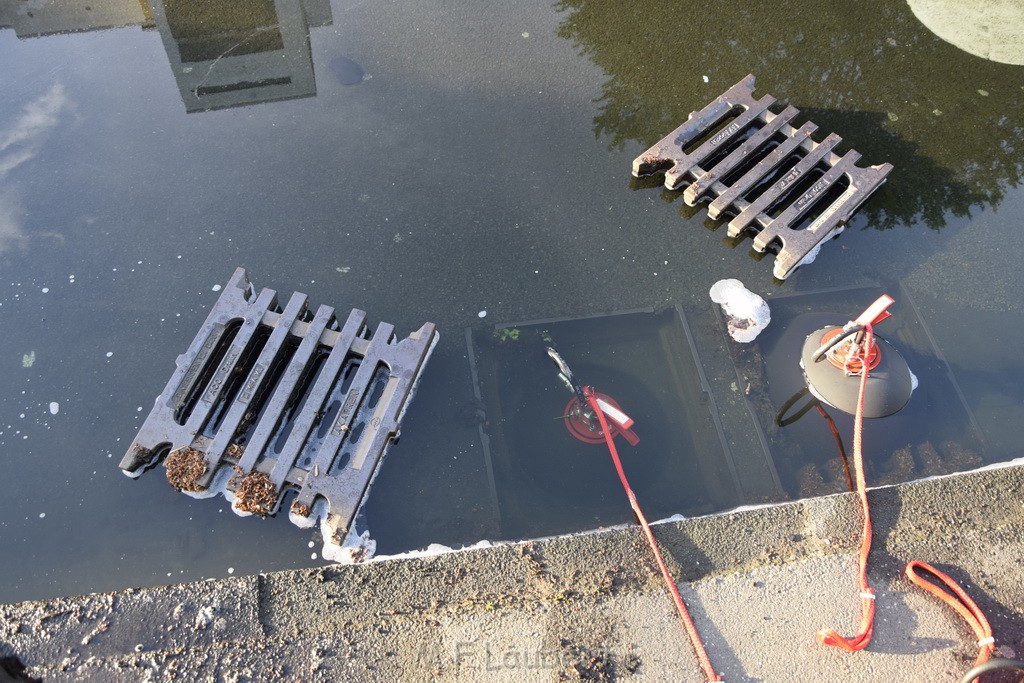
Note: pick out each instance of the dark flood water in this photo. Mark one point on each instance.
(469, 165)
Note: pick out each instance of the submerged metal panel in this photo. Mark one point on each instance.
(737, 131)
(547, 482)
(268, 400)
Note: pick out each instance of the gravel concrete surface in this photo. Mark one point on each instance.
(759, 583)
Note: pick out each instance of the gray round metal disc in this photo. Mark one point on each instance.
(889, 384)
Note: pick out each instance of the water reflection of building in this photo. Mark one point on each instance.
(233, 53)
(223, 53)
(32, 18)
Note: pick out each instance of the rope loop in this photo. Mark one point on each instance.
(939, 584)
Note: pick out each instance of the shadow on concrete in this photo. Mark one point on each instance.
(11, 668)
(895, 619)
(688, 563)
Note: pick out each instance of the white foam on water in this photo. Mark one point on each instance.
(435, 549)
(674, 518)
(319, 511)
(811, 255)
(355, 548)
(54, 407)
(808, 257)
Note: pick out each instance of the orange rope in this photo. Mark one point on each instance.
(684, 614)
(954, 596)
(945, 588)
(867, 594)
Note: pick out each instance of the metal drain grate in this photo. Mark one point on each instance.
(779, 182)
(268, 400)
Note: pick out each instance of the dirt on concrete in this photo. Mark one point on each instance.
(759, 583)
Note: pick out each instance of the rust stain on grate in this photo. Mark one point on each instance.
(779, 183)
(268, 400)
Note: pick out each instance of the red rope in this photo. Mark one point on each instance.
(954, 596)
(867, 594)
(684, 614)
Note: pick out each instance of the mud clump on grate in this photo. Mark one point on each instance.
(184, 468)
(256, 494)
(301, 510)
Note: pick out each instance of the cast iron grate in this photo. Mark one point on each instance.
(268, 400)
(793, 192)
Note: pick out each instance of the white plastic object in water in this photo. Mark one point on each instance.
(747, 312)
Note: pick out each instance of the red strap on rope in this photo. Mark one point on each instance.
(876, 312)
(684, 614)
(953, 595)
(867, 594)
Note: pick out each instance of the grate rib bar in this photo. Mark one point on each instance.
(231, 305)
(706, 180)
(341, 428)
(316, 397)
(783, 222)
(357, 475)
(669, 150)
(690, 164)
(271, 417)
(798, 243)
(214, 389)
(756, 208)
(345, 488)
(161, 428)
(383, 424)
(733, 195)
(360, 385)
(257, 376)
